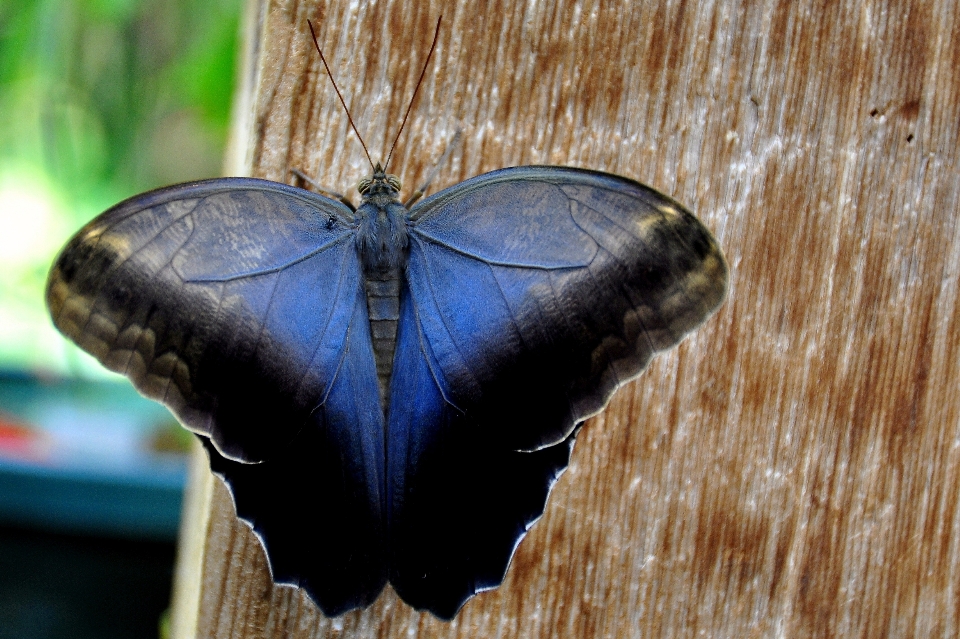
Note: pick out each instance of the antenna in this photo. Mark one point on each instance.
(339, 95)
(433, 46)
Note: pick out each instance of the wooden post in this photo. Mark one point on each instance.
(793, 469)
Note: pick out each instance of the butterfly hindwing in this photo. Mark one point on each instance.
(317, 503)
(458, 501)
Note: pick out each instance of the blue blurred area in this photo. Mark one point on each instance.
(91, 484)
(142, 505)
(90, 457)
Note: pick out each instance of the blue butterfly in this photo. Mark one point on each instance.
(265, 317)
(415, 376)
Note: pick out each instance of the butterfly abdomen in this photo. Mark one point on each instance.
(383, 306)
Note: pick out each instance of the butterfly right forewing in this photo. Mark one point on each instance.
(542, 289)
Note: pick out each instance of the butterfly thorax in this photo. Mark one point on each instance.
(381, 223)
(382, 242)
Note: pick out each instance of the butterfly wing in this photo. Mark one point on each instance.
(458, 500)
(227, 300)
(316, 504)
(533, 293)
(239, 304)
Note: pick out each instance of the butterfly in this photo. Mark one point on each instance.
(388, 392)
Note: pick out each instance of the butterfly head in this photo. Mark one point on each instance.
(379, 182)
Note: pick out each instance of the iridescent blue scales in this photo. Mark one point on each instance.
(519, 301)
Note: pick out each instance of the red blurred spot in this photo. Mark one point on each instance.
(20, 441)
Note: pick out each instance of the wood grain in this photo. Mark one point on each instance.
(793, 469)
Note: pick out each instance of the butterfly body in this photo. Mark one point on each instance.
(389, 393)
(382, 241)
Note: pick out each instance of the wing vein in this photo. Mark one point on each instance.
(566, 321)
(326, 325)
(623, 263)
(115, 268)
(265, 317)
(606, 353)
(474, 256)
(600, 247)
(446, 325)
(276, 269)
(506, 303)
(424, 344)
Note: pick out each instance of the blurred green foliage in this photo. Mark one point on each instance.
(99, 100)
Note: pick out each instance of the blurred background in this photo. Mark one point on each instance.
(99, 100)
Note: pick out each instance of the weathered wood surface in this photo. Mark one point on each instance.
(793, 469)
